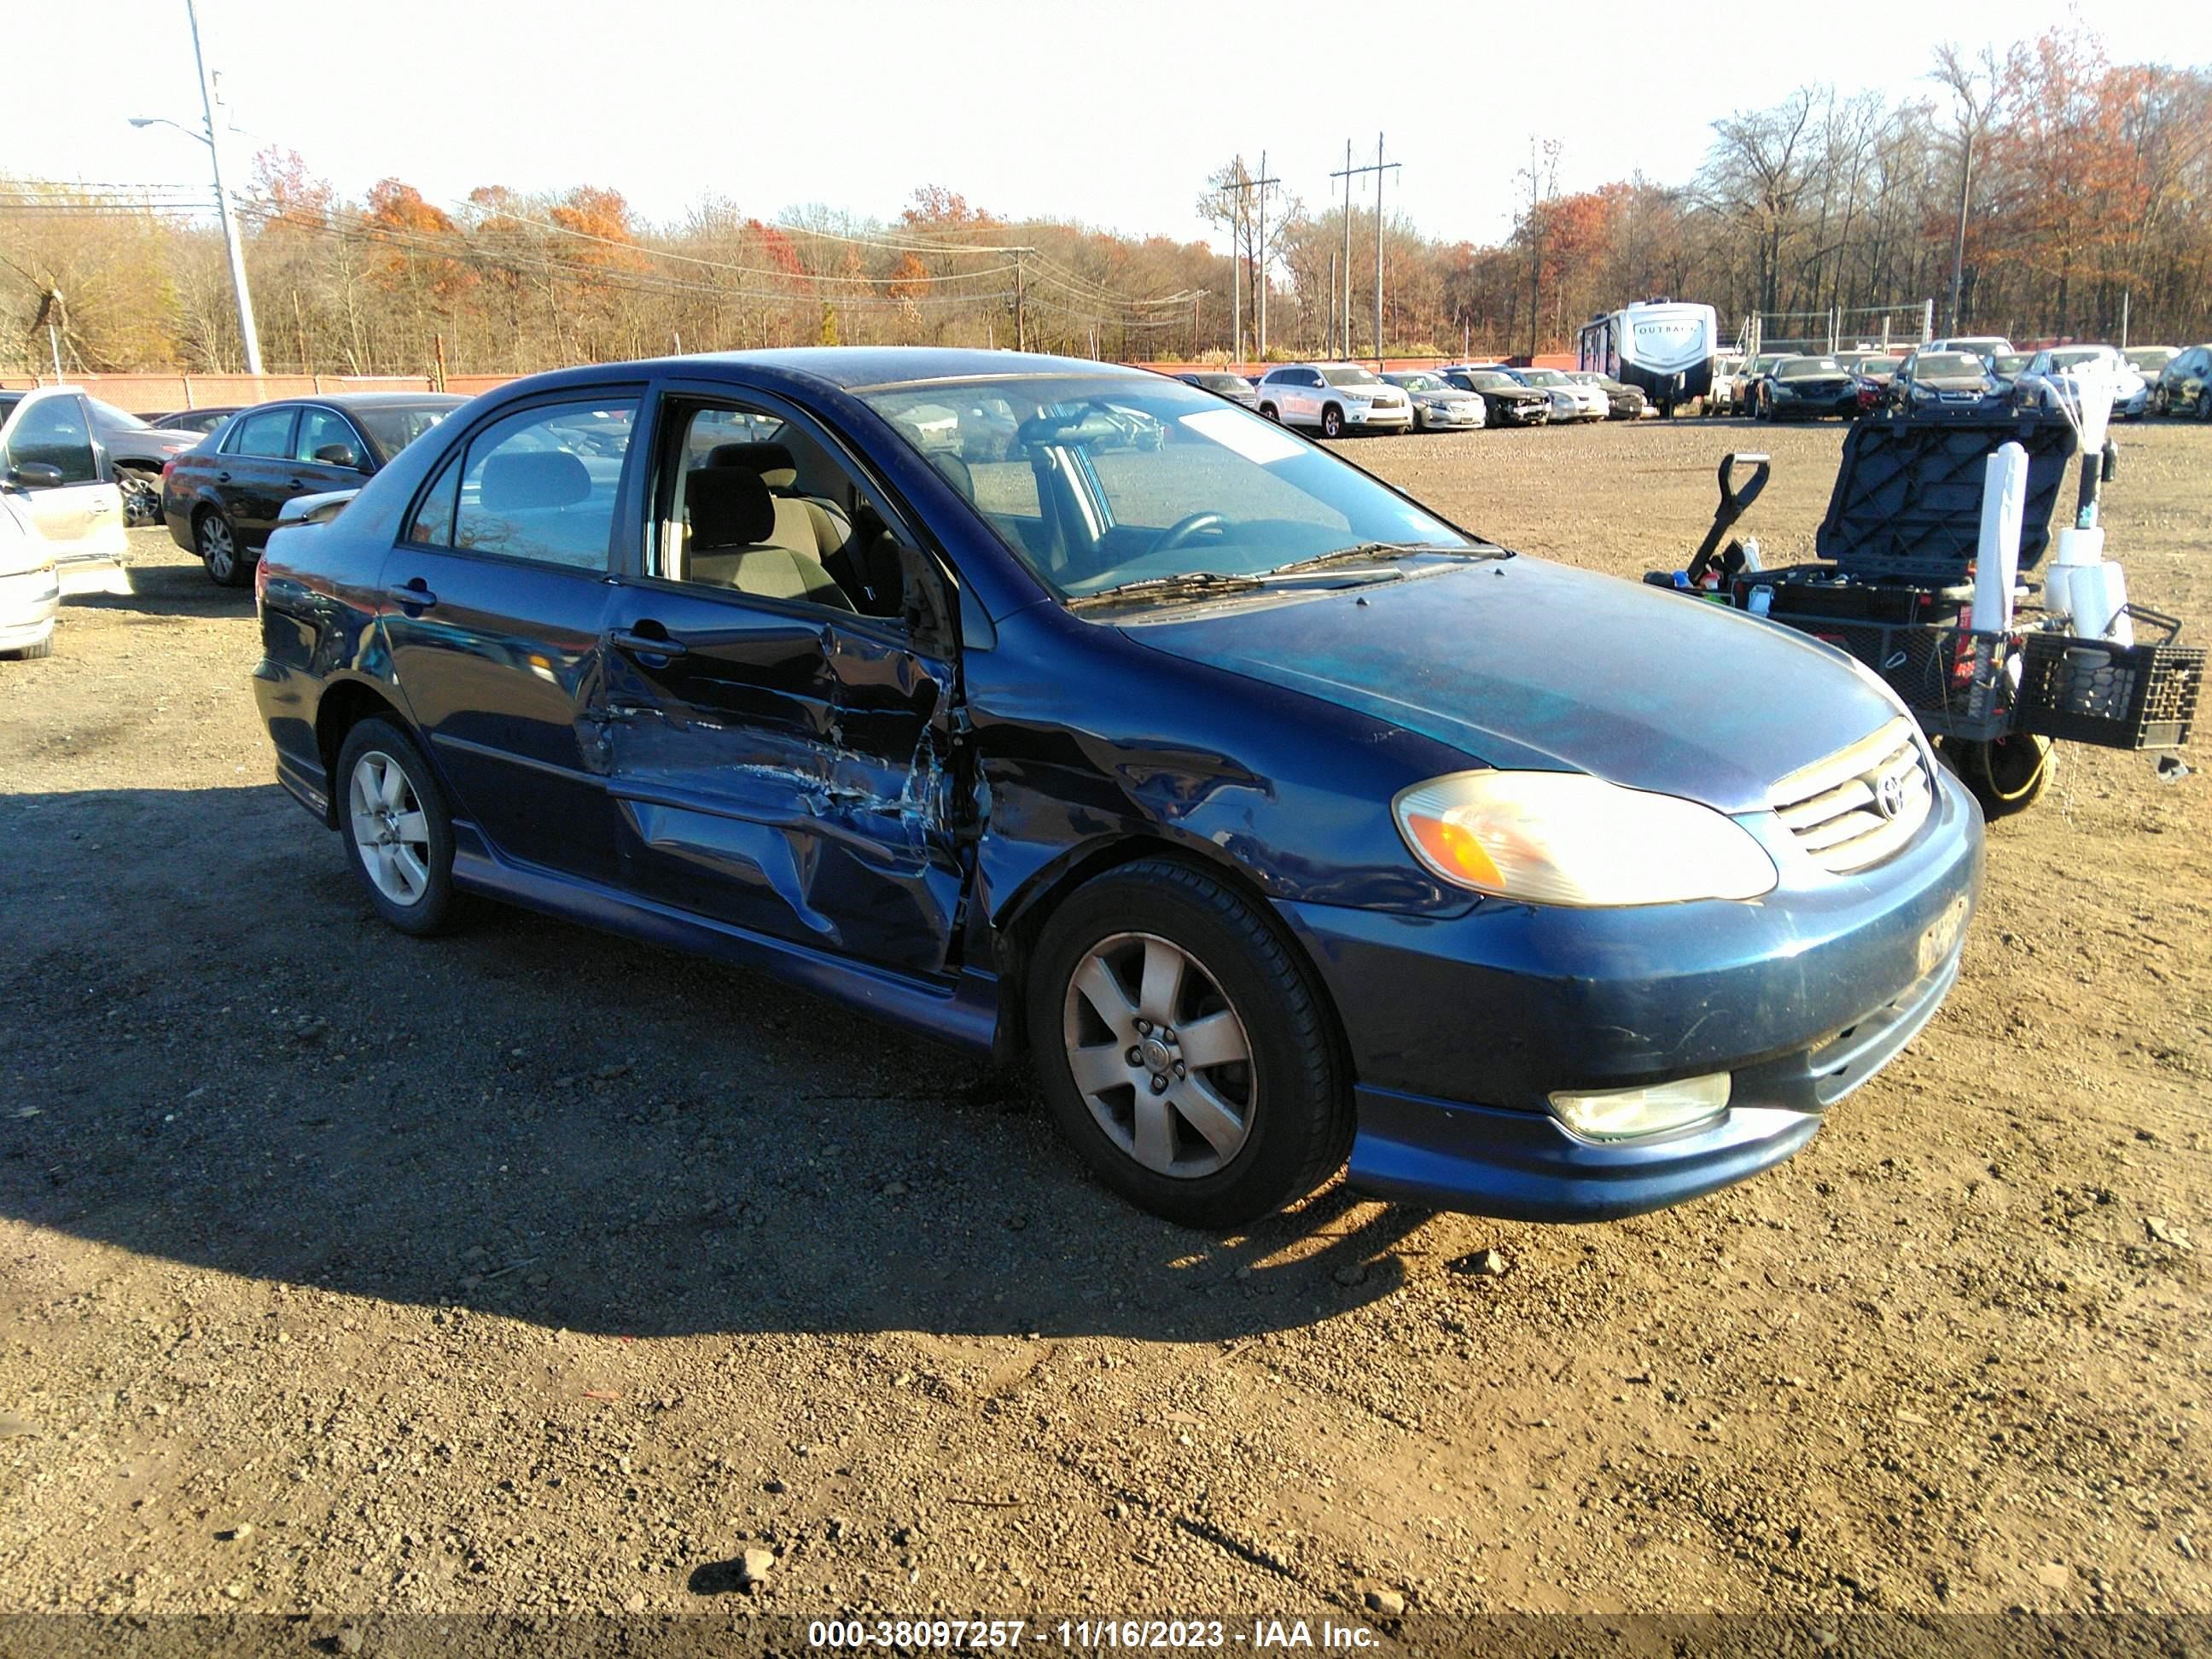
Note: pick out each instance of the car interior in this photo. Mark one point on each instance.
(776, 517)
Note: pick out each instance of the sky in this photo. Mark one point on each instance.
(1111, 112)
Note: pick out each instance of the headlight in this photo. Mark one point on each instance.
(1569, 838)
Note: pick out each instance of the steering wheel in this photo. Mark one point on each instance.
(1183, 529)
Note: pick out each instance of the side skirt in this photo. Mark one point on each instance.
(964, 1011)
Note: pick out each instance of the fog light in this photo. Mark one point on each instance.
(1623, 1114)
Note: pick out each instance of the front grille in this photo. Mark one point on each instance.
(1858, 806)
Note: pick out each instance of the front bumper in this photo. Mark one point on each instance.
(1461, 1029)
(1369, 417)
(1446, 415)
(1526, 414)
(28, 604)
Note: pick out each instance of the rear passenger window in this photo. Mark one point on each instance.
(432, 523)
(541, 484)
(266, 431)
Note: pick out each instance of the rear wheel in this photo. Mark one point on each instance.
(2006, 774)
(1183, 1049)
(396, 828)
(1332, 422)
(217, 541)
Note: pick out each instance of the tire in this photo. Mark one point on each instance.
(32, 652)
(1267, 413)
(410, 885)
(142, 500)
(215, 540)
(1332, 421)
(1278, 1108)
(2005, 775)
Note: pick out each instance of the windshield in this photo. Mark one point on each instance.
(1489, 379)
(2150, 357)
(1419, 382)
(120, 419)
(1946, 362)
(1760, 365)
(1223, 383)
(1806, 368)
(2076, 357)
(2009, 362)
(1096, 481)
(393, 427)
(1544, 377)
(1351, 374)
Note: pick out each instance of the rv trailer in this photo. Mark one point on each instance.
(1663, 348)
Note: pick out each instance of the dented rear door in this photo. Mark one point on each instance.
(786, 768)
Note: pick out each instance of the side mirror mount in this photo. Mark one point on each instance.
(35, 475)
(338, 455)
(922, 603)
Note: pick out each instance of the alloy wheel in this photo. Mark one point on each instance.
(390, 829)
(1159, 1055)
(217, 547)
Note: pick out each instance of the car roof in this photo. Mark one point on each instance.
(377, 399)
(847, 368)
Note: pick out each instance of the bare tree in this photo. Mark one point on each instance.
(1973, 88)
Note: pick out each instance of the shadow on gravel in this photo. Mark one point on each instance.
(214, 1054)
(170, 590)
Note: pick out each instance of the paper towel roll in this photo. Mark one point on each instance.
(2099, 593)
(2080, 546)
(1997, 560)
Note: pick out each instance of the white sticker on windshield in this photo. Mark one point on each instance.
(1248, 435)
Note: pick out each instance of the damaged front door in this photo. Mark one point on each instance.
(780, 759)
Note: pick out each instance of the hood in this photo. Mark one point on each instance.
(1527, 663)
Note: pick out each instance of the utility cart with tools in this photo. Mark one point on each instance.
(1895, 588)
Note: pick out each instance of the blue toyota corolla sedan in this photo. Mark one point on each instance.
(1062, 710)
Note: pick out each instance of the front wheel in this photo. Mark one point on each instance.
(397, 829)
(1183, 1049)
(217, 542)
(1267, 413)
(1332, 422)
(2006, 774)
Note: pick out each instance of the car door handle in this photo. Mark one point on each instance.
(103, 507)
(416, 595)
(299, 483)
(647, 645)
(222, 477)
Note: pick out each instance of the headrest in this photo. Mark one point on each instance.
(729, 506)
(773, 462)
(533, 478)
(956, 472)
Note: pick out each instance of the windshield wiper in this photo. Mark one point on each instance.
(1369, 552)
(1189, 584)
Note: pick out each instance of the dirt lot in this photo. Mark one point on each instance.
(532, 1271)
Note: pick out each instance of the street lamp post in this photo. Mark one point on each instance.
(230, 241)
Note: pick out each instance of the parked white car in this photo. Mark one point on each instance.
(30, 591)
(1438, 405)
(1571, 400)
(1981, 345)
(1335, 399)
(2060, 370)
(58, 482)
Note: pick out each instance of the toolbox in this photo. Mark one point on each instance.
(1894, 588)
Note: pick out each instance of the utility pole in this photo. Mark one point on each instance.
(1378, 169)
(1021, 320)
(246, 328)
(1328, 328)
(1344, 327)
(1259, 260)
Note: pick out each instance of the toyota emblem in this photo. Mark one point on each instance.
(1889, 796)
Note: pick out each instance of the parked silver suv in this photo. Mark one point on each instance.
(1336, 397)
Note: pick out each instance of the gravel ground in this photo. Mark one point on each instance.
(531, 1272)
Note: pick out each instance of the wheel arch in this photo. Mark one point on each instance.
(1024, 916)
(343, 705)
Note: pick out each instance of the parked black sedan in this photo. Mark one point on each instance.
(1807, 389)
(1957, 384)
(220, 499)
(202, 421)
(1274, 817)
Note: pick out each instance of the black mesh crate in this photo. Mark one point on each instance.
(2117, 696)
(1818, 590)
(1953, 679)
